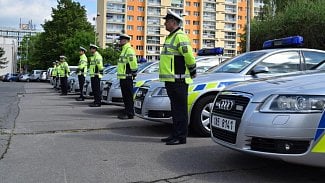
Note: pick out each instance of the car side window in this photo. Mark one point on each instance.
(314, 60)
(283, 62)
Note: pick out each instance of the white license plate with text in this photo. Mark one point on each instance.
(224, 123)
(137, 103)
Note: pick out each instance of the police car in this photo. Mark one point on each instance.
(279, 118)
(112, 90)
(152, 102)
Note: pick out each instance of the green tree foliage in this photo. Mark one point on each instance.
(299, 17)
(3, 60)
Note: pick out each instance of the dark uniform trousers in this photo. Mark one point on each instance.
(64, 85)
(177, 93)
(57, 85)
(95, 86)
(127, 94)
(81, 79)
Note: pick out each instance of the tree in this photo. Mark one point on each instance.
(3, 61)
(62, 35)
(298, 17)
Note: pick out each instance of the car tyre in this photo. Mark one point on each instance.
(27, 80)
(200, 116)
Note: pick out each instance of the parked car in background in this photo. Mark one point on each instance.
(36, 75)
(281, 118)
(43, 76)
(9, 77)
(24, 77)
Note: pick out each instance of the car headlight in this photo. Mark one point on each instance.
(293, 103)
(161, 92)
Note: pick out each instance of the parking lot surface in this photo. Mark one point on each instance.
(52, 138)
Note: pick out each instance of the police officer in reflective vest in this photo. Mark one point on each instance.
(54, 73)
(127, 67)
(57, 78)
(96, 73)
(177, 68)
(64, 72)
(82, 71)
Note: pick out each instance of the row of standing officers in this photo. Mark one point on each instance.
(177, 67)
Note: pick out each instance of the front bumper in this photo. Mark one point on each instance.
(153, 108)
(289, 137)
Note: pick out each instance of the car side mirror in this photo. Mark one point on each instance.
(259, 69)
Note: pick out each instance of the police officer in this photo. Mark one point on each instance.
(82, 71)
(54, 73)
(126, 71)
(64, 72)
(96, 73)
(57, 79)
(177, 68)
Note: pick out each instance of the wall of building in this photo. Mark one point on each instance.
(10, 46)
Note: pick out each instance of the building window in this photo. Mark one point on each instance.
(139, 47)
(130, 18)
(196, 4)
(239, 26)
(196, 22)
(188, 13)
(130, 27)
(240, 8)
(140, 18)
(130, 8)
(188, 3)
(140, 28)
(196, 32)
(140, 0)
(196, 13)
(240, 17)
(195, 41)
(187, 22)
(139, 38)
(187, 31)
(140, 8)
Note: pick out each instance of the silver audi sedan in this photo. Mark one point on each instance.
(280, 118)
(152, 102)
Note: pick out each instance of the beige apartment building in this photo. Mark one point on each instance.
(209, 23)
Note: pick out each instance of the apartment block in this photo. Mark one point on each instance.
(209, 23)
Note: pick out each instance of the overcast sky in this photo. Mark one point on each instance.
(36, 10)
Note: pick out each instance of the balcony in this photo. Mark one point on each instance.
(116, 10)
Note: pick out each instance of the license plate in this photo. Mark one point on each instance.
(104, 93)
(224, 123)
(137, 104)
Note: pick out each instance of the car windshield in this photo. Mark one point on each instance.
(143, 65)
(237, 64)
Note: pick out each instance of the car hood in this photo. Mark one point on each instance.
(309, 82)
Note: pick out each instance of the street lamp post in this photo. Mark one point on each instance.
(248, 31)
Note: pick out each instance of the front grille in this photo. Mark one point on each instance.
(159, 114)
(114, 99)
(224, 135)
(137, 110)
(279, 146)
(231, 107)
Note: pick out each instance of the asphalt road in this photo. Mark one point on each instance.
(50, 138)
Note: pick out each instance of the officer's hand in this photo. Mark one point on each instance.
(193, 76)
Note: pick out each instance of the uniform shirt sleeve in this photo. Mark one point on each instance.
(186, 50)
(132, 59)
(99, 62)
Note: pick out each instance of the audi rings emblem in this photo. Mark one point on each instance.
(226, 105)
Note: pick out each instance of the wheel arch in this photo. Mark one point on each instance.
(214, 92)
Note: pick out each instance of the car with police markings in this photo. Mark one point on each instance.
(152, 103)
(112, 90)
(281, 118)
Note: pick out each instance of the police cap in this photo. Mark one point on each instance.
(173, 15)
(124, 36)
(82, 49)
(93, 46)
